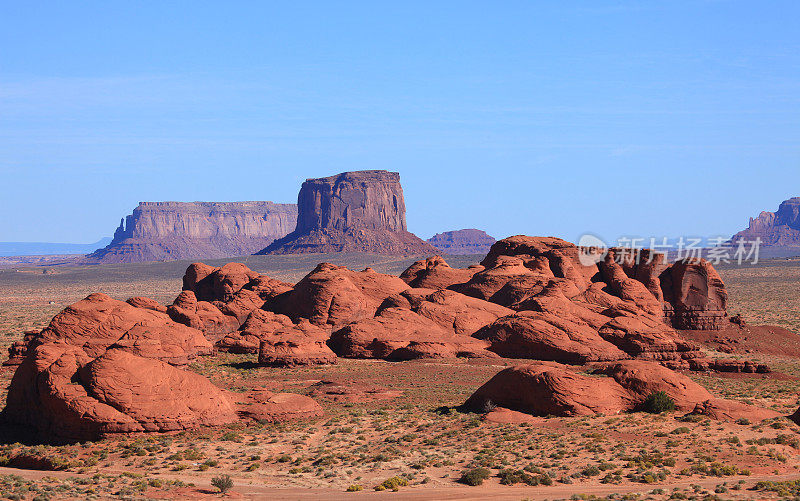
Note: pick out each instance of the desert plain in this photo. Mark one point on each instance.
(405, 432)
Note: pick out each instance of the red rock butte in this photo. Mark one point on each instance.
(361, 211)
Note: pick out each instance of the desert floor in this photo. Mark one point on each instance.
(408, 426)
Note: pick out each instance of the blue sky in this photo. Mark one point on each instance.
(543, 118)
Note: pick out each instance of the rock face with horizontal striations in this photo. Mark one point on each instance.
(462, 242)
(362, 211)
(781, 228)
(159, 231)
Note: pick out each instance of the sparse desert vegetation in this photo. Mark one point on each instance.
(418, 440)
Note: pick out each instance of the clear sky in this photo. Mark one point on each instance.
(543, 118)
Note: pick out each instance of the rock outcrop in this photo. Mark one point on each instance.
(780, 228)
(694, 296)
(519, 272)
(462, 242)
(362, 211)
(161, 231)
(66, 394)
(548, 388)
(279, 342)
(401, 334)
(98, 322)
(265, 406)
(435, 273)
(350, 392)
(218, 301)
(104, 366)
(334, 296)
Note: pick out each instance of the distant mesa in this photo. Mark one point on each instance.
(778, 229)
(158, 231)
(462, 242)
(361, 211)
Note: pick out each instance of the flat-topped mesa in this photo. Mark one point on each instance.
(462, 242)
(780, 228)
(157, 231)
(361, 211)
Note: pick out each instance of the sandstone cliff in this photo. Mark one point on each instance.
(360, 211)
(462, 242)
(157, 231)
(781, 228)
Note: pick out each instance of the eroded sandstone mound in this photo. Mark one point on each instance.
(560, 309)
(98, 322)
(265, 406)
(280, 342)
(435, 273)
(104, 366)
(218, 301)
(461, 242)
(688, 294)
(362, 211)
(350, 392)
(64, 393)
(158, 231)
(334, 296)
(401, 334)
(549, 388)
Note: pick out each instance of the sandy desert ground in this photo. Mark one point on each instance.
(404, 431)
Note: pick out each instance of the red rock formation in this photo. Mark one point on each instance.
(19, 348)
(266, 406)
(401, 334)
(361, 211)
(146, 303)
(64, 393)
(201, 315)
(548, 388)
(100, 368)
(462, 242)
(280, 342)
(337, 391)
(694, 296)
(781, 228)
(334, 296)
(435, 273)
(98, 322)
(219, 300)
(217, 284)
(519, 270)
(452, 311)
(543, 336)
(158, 231)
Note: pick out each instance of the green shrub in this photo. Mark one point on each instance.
(474, 476)
(354, 488)
(223, 482)
(393, 483)
(658, 402)
(511, 477)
